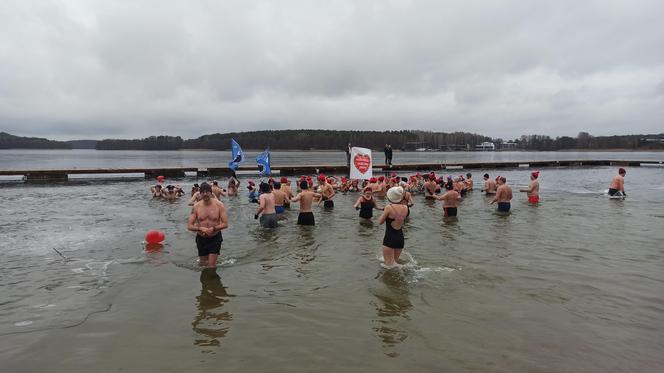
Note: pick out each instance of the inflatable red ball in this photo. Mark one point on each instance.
(153, 237)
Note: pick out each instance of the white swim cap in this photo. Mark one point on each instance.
(395, 194)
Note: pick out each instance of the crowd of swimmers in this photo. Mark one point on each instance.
(275, 196)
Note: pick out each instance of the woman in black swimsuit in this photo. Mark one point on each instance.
(394, 215)
(366, 203)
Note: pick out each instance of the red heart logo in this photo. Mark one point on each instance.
(362, 162)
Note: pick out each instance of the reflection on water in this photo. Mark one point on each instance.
(392, 304)
(211, 323)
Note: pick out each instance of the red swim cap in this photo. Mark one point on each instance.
(373, 180)
(432, 177)
(535, 174)
(622, 171)
(284, 179)
(321, 177)
(381, 178)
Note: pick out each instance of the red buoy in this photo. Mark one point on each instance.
(153, 237)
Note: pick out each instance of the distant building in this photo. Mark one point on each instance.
(508, 145)
(486, 146)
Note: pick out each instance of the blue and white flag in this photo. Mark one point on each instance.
(263, 161)
(237, 156)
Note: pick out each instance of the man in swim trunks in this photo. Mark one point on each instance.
(279, 198)
(326, 191)
(450, 200)
(533, 188)
(618, 183)
(305, 198)
(194, 189)
(208, 218)
(503, 195)
(266, 211)
(489, 185)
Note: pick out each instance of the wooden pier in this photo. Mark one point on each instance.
(291, 170)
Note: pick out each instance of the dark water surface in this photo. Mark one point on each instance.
(574, 284)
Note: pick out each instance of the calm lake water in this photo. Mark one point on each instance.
(574, 284)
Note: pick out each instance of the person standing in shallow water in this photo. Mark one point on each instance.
(533, 188)
(305, 198)
(266, 207)
(208, 218)
(366, 204)
(393, 216)
(618, 183)
(503, 195)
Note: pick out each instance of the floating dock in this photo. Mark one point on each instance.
(291, 170)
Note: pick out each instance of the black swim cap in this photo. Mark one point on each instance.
(304, 184)
(265, 188)
(486, 175)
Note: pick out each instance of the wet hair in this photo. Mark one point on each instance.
(405, 179)
(215, 182)
(158, 186)
(304, 184)
(503, 179)
(265, 188)
(469, 175)
(276, 185)
(449, 186)
(486, 175)
(170, 187)
(205, 187)
(196, 186)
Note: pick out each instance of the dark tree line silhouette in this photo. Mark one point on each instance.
(308, 139)
(8, 141)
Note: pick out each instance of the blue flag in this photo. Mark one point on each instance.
(263, 161)
(237, 156)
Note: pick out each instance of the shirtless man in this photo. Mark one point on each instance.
(194, 189)
(450, 200)
(279, 198)
(503, 195)
(233, 185)
(431, 187)
(618, 183)
(469, 181)
(533, 188)
(286, 188)
(208, 217)
(326, 191)
(266, 209)
(489, 185)
(217, 191)
(171, 194)
(305, 198)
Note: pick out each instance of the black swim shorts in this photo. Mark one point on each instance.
(209, 245)
(306, 218)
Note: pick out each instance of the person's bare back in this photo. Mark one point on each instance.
(305, 198)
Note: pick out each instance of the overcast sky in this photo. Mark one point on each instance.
(128, 69)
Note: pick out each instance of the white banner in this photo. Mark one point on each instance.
(360, 163)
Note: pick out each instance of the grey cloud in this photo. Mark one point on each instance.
(131, 69)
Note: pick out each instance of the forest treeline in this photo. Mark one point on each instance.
(300, 140)
(337, 140)
(8, 141)
(588, 142)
